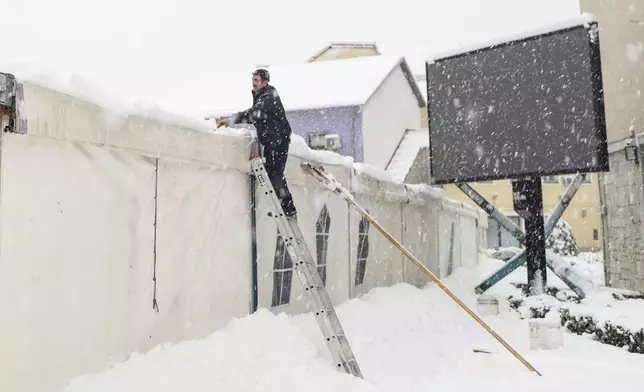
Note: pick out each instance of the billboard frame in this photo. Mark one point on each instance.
(599, 114)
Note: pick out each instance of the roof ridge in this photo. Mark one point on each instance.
(405, 154)
(349, 44)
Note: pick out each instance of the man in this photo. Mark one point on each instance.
(273, 133)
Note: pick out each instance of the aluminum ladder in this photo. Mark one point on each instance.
(306, 269)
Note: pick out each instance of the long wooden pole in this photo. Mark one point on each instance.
(337, 188)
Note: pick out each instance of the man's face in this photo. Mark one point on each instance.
(259, 83)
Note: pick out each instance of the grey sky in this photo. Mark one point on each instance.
(147, 48)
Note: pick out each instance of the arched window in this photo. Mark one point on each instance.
(363, 250)
(282, 274)
(322, 226)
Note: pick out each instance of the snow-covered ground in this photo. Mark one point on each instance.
(405, 339)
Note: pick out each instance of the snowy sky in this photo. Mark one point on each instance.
(149, 48)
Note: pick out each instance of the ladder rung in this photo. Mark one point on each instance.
(323, 312)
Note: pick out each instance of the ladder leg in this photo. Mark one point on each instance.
(306, 270)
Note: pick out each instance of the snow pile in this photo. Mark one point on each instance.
(155, 112)
(601, 315)
(78, 86)
(258, 353)
(504, 253)
(564, 267)
(436, 193)
(378, 174)
(605, 307)
(538, 306)
(237, 132)
(589, 266)
(301, 149)
(405, 339)
(603, 312)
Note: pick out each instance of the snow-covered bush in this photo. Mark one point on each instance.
(561, 241)
(607, 333)
(563, 296)
(515, 303)
(577, 324)
(638, 341)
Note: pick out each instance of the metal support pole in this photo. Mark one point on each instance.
(493, 212)
(528, 203)
(520, 259)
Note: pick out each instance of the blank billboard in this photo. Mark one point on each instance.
(530, 106)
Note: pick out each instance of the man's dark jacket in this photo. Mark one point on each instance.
(269, 118)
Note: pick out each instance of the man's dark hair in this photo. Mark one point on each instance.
(262, 73)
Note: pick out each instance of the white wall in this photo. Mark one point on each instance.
(202, 248)
(388, 113)
(421, 237)
(93, 205)
(460, 236)
(384, 202)
(76, 259)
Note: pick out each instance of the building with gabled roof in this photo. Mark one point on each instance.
(410, 161)
(359, 107)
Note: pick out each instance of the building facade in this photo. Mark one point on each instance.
(358, 107)
(621, 35)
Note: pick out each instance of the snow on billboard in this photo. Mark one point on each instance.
(528, 106)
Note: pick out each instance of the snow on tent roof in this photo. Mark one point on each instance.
(411, 143)
(301, 86)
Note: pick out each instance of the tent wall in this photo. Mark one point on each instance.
(102, 214)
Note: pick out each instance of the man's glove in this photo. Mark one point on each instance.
(222, 122)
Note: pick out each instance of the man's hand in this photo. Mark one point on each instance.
(223, 122)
